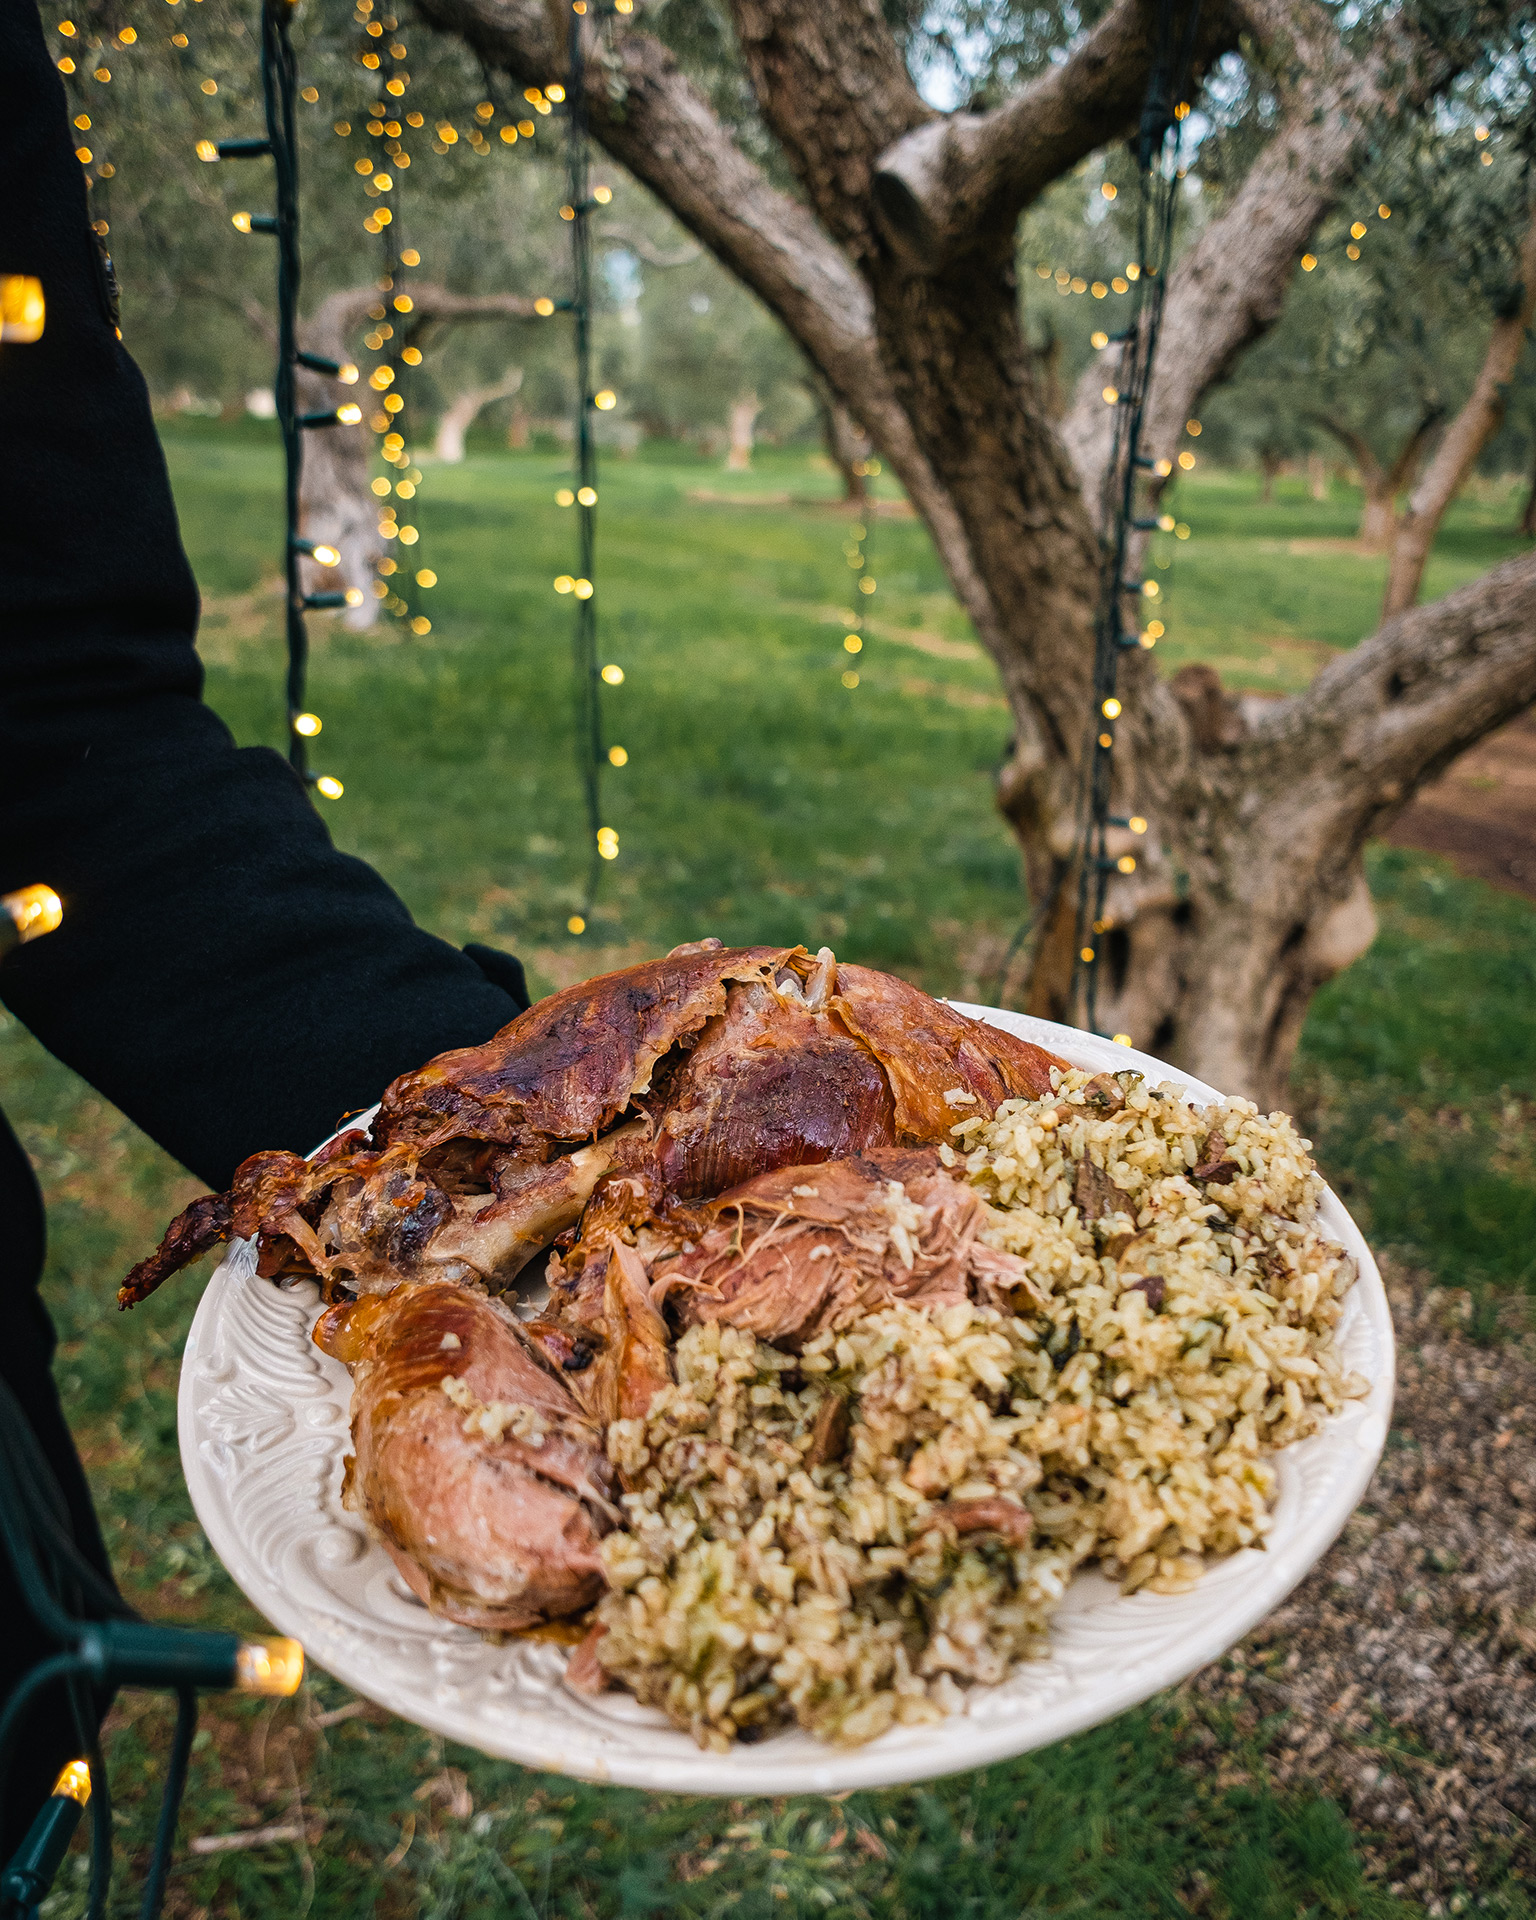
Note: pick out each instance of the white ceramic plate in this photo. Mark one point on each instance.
(264, 1429)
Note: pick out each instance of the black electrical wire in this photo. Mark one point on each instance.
(170, 1803)
(589, 719)
(1157, 181)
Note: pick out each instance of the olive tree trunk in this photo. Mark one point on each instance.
(893, 269)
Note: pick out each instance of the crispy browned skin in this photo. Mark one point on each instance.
(778, 1081)
(805, 1249)
(929, 1050)
(567, 1068)
(717, 1064)
(493, 1533)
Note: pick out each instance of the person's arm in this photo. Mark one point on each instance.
(222, 974)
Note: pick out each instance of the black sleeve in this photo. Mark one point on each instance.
(222, 974)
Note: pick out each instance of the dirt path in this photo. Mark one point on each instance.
(1482, 814)
(1400, 1677)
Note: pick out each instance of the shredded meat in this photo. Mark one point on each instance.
(807, 1248)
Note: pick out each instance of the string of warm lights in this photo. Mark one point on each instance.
(101, 1645)
(1156, 152)
(382, 178)
(856, 555)
(583, 199)
(279, 84)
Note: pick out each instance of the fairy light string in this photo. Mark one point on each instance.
(1156, 152)
(583, 199)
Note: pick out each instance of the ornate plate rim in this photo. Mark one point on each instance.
(615, 1740)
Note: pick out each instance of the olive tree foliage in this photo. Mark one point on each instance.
(865, 172)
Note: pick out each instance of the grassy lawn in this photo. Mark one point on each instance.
(762, 800)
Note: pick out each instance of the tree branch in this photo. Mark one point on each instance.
(1468, 433)
(655, 122)
(1380, 721)
(832, 85)
(1230, 286)
(964, 180)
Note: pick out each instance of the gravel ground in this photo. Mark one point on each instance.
(1400, 1678)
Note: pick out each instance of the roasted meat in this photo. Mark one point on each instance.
(640, 1092)
(806, 1249)
(471, 1460)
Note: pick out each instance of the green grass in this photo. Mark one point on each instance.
(762, 800)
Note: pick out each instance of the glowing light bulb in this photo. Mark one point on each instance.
(426, 578)
(127, 36)
(350, 414)
(347, 374)
(1098, 341)
(207, 150)
(1109, 190)
(1187, 460)
(1085, 954)
(209, 86)
(575, 924)
(605, 400)
(421, 624)
(1192, 428)
(613, 676)
(1111, 708)
(1136, 823)
(74, 1783)
(1155, 632)
(1126, 863)
(509, 134)
(326, 556)
(852, 643)
(275, 1666)
(241, 222)
(33, 911)
(565, 584)
(1106, 741)
(866, 585)
(403, 303)
(331, 788)
(607, 843)
(354, 596)
(23, 309)
(1121, 1039)
(1163, 468)
(602, 195)
(543, 306)
(583, 589)
(587, 496)
(618, 757)
(409, 536)
(308, 724)
(1111, 395)
(1166, 522)
(1098, 290)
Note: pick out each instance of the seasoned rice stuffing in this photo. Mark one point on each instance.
(850, 1536)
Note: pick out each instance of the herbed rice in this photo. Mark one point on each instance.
(1187, 1333)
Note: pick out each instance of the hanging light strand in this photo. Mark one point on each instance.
(602, 841)
(279, 86)
(1156, 152)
